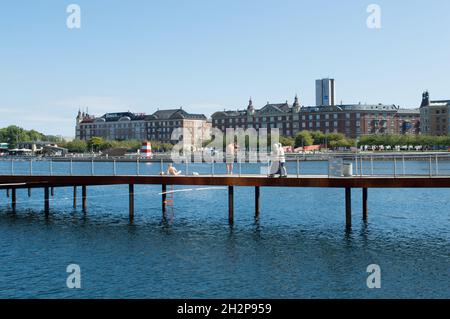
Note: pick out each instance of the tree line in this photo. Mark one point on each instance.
(402, 140)
(98, 144)
(308, 138)
(13, 135)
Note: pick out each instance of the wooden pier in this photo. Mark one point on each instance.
(11, 183)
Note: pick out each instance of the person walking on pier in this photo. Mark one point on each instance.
(282, 159)
(229, 157)
(275, 162)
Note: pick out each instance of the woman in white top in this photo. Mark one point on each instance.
(275, 159)
(282, 158)
(229, 157)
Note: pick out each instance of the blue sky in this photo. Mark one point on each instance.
(208, 55)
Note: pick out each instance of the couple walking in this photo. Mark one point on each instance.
(278, 159)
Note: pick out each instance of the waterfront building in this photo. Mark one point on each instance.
(162, 123)
(111, 126)
(278, 115)
(353, 120)
(434, 116)
(325, 93)
(127, 125)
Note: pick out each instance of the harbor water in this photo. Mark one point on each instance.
(299, 248)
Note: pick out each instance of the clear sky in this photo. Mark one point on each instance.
(208, 55)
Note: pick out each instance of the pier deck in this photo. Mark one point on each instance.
(13, 182)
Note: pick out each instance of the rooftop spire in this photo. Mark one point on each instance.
(296, 103)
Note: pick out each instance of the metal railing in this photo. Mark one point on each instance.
(397, 165)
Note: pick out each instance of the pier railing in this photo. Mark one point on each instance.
(392, 165)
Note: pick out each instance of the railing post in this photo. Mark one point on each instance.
(371, 164)
(361, 165)
(212, 167)
(161, 167)
(31, 166)
(429, 168)
(114, 168)
(186, 165)
(403, 165)
(51, 166)
(137, 166)
(395, 166)
(71, 167)
(12, 166)
(437, 165)
(298, 167)
(239, 165)
(92, 167)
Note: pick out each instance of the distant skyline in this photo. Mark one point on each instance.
(207, 55)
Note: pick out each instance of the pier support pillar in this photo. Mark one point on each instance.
(52, 191)
(84, 198)
(7, 192)
(46, 201)
(348, 207)
(74, 197)
(13, 199)
(230, 205)
(257, 202)
(163, 199)
(131, 201)
(29, 192)
(364, 203)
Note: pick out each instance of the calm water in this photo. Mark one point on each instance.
(298, 249)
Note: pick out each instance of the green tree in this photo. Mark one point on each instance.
(303, 138)
(318, 137)
(287, 141)
(95, 143)
(76, 146)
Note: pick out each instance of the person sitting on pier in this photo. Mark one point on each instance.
(171, 170)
